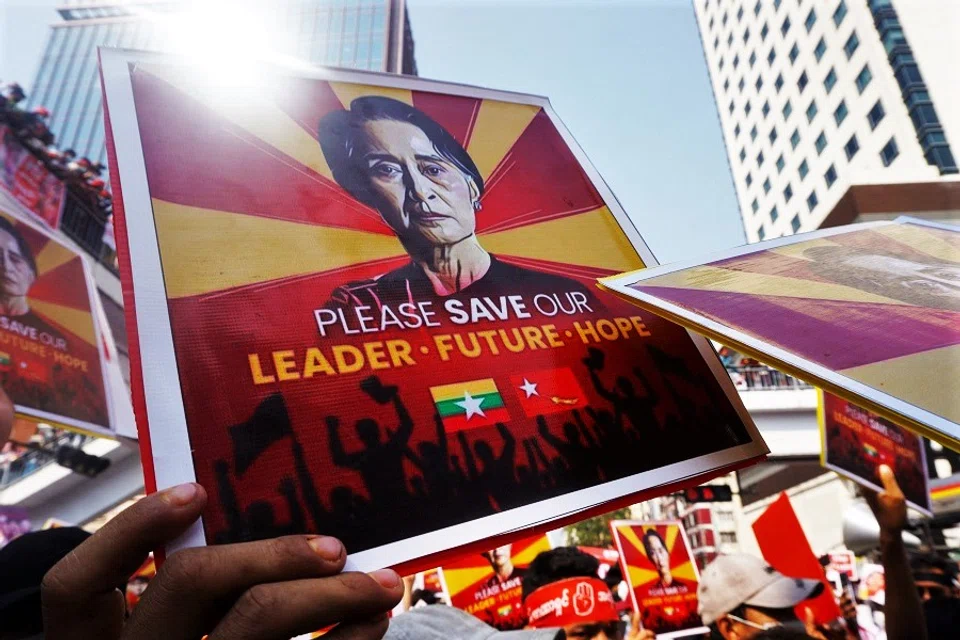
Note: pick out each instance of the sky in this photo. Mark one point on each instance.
(627, 77)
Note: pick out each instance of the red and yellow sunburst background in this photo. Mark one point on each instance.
(254, 235)
(467, 578)
(60, 298)
(662, 610)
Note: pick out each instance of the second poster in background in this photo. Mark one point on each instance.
(661, 574)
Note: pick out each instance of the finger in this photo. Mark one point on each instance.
(7, 417)
(890, 485)
(281, 610)
(371, 629)
(80, 592)
(195, 587)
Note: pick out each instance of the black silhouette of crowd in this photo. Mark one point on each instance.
(30, 128)
(629, 432)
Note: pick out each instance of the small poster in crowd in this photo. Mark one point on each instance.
(489, 585)
(28, 181)
(14, 522)
(856, 442)
(378, 296)
(54, 349)
(657, 564)
(869, 312)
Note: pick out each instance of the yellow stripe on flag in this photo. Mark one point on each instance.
(684, 571)
(607, 248)
(923, 240)
(627, 532)
(671, 539)
(459, 579)
(456, 390)
(639, 575)
(527, 555)
(205, 250)
(52, 256)
(496, 130)
(77, 321)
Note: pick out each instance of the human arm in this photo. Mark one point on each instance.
(340, 457)
(903, 609)
(272, 589)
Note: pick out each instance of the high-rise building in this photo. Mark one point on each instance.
(362, 34)
(835, 110)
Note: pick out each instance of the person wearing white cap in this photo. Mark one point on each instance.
(741, 595)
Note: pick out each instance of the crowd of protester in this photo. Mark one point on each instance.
(65, 583)
(30, 127)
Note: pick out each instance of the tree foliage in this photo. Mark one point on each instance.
(595, 532)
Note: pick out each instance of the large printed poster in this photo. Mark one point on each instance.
(657, 564)
(856, 442)
(869, 312)
(489, 585)
(28, 181)
(382, 312)
(50, 341)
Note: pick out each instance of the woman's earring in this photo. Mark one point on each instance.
(477, 205)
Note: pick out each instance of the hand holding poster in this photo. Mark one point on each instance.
(856, 442)
(869, 312)
(377, 294)
(662, 577)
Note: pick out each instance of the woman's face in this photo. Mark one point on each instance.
(422, 196)
(17, 276)
(933, 285)
(659, 556)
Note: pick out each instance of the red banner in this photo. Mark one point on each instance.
(784, 545)
(28, 181)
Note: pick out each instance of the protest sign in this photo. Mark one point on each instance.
(29, 182)
(377, 293)
(52, 347)
(14, 522)
(489, 585)
(869, 312)
(657, 564)
(855, 442)
(785, 546)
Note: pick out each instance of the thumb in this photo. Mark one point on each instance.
(890, 486)
(809, 620)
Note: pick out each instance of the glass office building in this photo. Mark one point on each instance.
(362, 34)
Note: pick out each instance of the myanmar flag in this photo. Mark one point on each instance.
(548, 391)
(468, 405)
(871, 451)
(5, 361)
(34, 370)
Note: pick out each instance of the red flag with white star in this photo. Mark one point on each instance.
(548, 391)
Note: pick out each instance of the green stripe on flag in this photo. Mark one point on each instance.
(447, 408)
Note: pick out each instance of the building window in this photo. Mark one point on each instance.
(756, 8)
(726, 85)
(741, 85)
(804, 170)
(746, 35)
(764, 31)
(830, 80)
(728, 537)
(852, 146)
(716, 43)
(785, 27)
(766, 108)
(731, 106)
(752, 60)
(720, 64)
(760, 233)
(889, 152)
(787, 110)
(820, 49)
(755, 206)
(771, 56)
(864, 78)
(739, 14)
(730, 40)
(810, 21)
(820, 143)
(780, 164)
(774, 214)
(802, 81)
(794, 138)
(840, 114)
(830, 176)
(794, 52)
(723, 20)
(795, 223)
(850, 47)
(773, 135)
(776, 4)
(766, 184)
(760, 159)
(840, 13)
(736, 131)
(778, 83)
(876, 114)
(787, 193)
(812, 201)
(811, 110)
(736, 61)
(753, 134)
(749, 179)
(747, 108)
(759, 84)
(743, 155)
